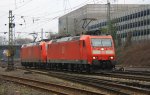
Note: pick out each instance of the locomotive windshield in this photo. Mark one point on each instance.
(96, 42)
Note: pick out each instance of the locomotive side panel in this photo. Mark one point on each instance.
(64, 52)
(22, 54)
(53, 51)
(35, 54)
(72, 51)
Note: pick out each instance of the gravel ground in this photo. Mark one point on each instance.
(22, 73)
(9, 88)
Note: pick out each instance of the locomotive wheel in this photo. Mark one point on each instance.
(69, 67)
(72, 67)
(104, 66)
(87, 68)
(75, 67)
(58, 66)
(80, 68)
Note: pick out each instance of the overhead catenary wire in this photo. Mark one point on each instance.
(49, 13)
(22, 5)
(44, 22)
(67, 9)
(87, 0)
(53, 12)
(44, 17)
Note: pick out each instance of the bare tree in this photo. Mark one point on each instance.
(128, 40)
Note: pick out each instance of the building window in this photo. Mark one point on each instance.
(130, 16)
(142, 23)
(136, 15)
(148, 21)
(130, 25)
(125, 26)
(148, 11)
(136, 24)
(121, 27)
(148, 31)
(139, 14)
(138, 33)
(133, 24)
(139, 23)
(142, 13)
(126, 18)
(125, 35)
(133, 15)
(121, 19)
(134, 33)
(145, 32)
(142, 33)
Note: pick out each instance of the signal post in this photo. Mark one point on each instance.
(10, 46)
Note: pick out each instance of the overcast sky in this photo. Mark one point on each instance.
(37, 14)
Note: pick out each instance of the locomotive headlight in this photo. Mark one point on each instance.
(102, 49)
(111, 57)
(94, 57)
(109, 52)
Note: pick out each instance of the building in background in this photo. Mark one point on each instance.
(133, 18)
(76, 22)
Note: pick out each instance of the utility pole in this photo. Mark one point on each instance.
(108, 18)
(10, 46)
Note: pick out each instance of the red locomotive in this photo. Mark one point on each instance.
(78, 53)
(33, 54)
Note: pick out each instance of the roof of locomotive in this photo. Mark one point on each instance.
(33, 44)
(94, 36)
(66, 39)
(81, 37)
(29, 44)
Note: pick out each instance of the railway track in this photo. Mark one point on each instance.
(49, 87)
(122, 75)
(114, 87)
(142, 73)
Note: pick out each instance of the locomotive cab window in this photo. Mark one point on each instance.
(97, 42)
